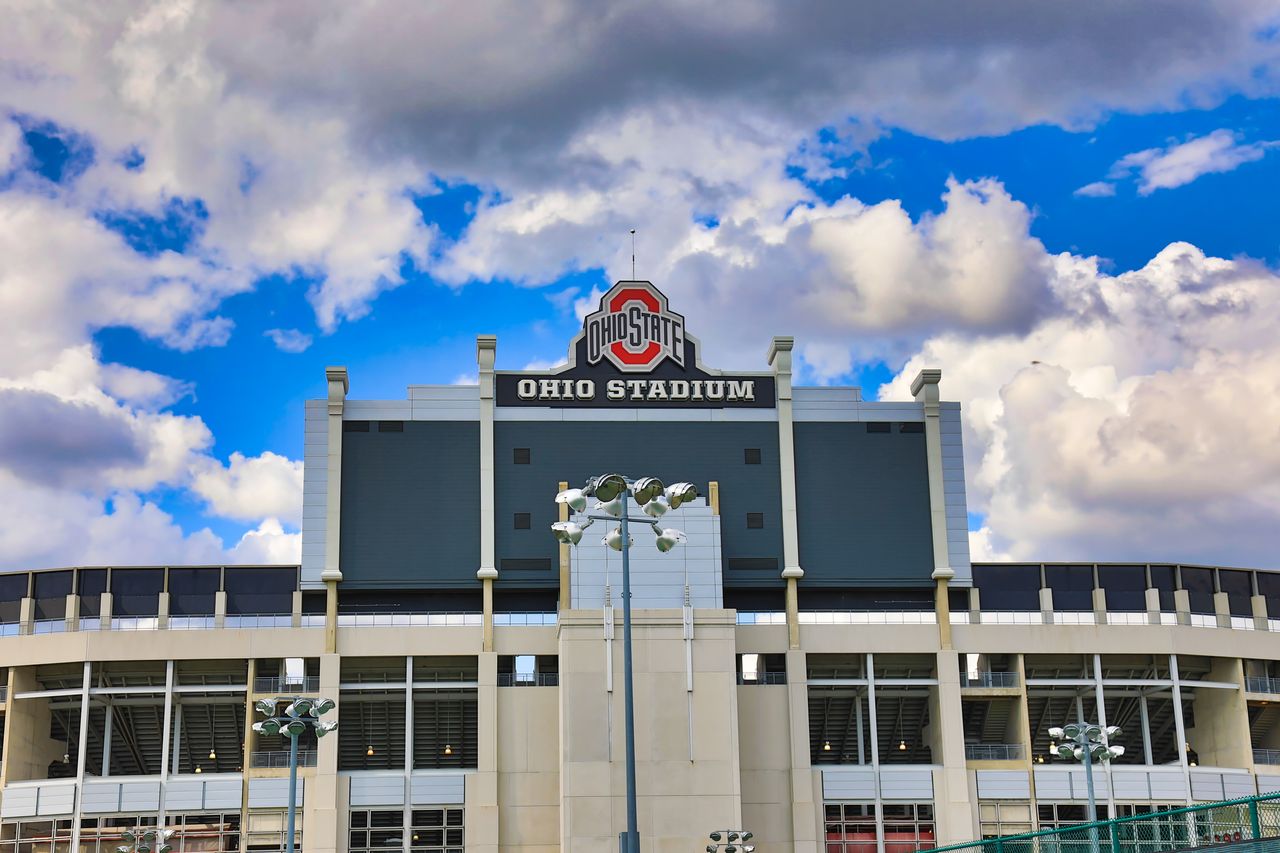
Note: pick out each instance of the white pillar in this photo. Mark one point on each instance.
(925, 390)
(486, 353)
(81, 749)
(336, 378)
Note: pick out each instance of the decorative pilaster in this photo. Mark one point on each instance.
(338, 385)
(486, 353)
(779, 357)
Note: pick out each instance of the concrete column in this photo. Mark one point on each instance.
(1100, 606)
(251, 716)
(942, 612)
(1024, 713)
(27, 615)
(73, 612)
(336, 379)
(322, 820)
(975, 606)
(220, 609)
(805, 812)
(1260, 615)
(779, 357)
(1153, 606)
(104, 618)
(1222, 609)
(481, 816)
(925, 390)
(1046, 605)
(486, 353)
(1182, 604)
(162, 611)
(331, 617)
(80, 757)
(1221, 732)
(951, 801)
(295, 609)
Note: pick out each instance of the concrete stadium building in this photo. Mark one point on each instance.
(819, 662)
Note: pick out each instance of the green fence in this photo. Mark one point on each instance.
(1251, 819)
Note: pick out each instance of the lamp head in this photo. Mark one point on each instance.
(646, 489)
(747, 836)
(299, 707)
(656, 508)
(668, 538)
(1116, 751)
(715, 836)
(606, 487)
(325, 726)
(1112, 731)
(614, 539)
(575, 498)
(266, 707)
(323, 706)
(569, 532)
(1056, 733)
(1066, 750)
(267, 727)
(294, 728)
(681, 493)
(1071, 731)
(612, 507)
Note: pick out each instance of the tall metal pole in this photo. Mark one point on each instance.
(1083, 741)
(633, 831)
(293, 788)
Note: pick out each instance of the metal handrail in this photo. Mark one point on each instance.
(1261, 684)
(532, 679)
(992, 751)
(279, 758)
(269, 684)
(1266, 756)
(989, 679)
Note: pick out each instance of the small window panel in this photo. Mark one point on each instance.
(523, 520)
(755, 520)
(751, 456)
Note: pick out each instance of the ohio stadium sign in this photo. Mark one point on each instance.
(634, 352)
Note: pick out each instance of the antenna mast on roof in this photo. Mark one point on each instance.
(633, 254)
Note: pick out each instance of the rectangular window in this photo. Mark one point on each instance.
(528, 671)
(390, 426)
(136, 592)
(878, 426)
(1003, 587)
(192, 592)
(1199, 586)
(50, 590)
(1239, 589)
(90, 585)
(523, 520)
(751, 456)
(911, 427)
(755, 520)
(996, 818)
(1072, 586)
(355, 426)
(1163, 580)
(1125, 586)
(261, 591)
(850, 827)
(522, 456)
(13, 588)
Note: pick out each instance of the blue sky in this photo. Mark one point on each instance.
(200, 245)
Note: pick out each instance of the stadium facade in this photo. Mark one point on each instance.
(819, 662)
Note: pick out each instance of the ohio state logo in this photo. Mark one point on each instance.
(634, 329)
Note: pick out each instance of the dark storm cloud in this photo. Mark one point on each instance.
(501, 86)
(50, 441)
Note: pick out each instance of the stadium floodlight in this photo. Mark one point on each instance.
(1088, 743)
(681, 493)
(655, 501)
(614, 539)
(613, 507)
(735, 841)
(301, 713)
(569, 532)
(668, 537)
(606, 487)
(575, 498)
(657, 507)
(646, 489)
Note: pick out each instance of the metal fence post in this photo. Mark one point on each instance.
(1254, 824)
(1114, 828)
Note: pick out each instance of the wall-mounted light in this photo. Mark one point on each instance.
(826, 746)
(448, 750)
(369, 751)
(198, 770)
(902, 746)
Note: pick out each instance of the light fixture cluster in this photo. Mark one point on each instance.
(1086, 736)
(653, 497)
(730, 841)
(145, 841)
(300, 713)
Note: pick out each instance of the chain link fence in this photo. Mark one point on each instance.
(1252, 822)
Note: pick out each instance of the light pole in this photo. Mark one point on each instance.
(730, 841)
(1085, 742)
(301, 713)
(145, 840)
(610, 491)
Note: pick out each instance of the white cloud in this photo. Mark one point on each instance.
(1097, 189)
(1137, 423)
(289, 340)
(251, 488)
(1176, 165)
(269, 543)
